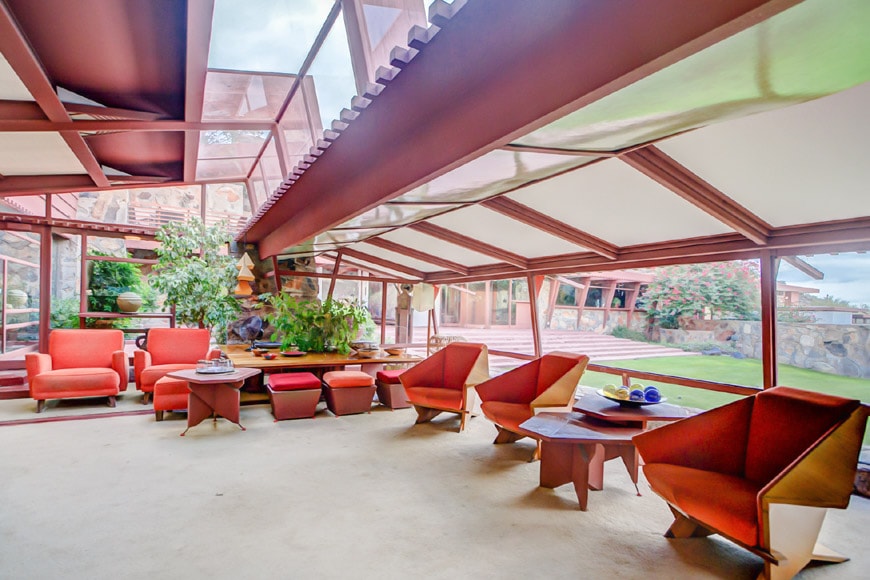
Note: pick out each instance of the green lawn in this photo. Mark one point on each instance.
(725, 369)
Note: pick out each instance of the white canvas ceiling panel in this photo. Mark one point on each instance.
(436, 247)
(11, 87)
(496, 172)
(397, 258)
(612, 201)
(394, 214)
(374, 269)
(503, 232)
(36, 154)
(802, 164)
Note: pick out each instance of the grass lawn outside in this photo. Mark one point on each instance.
(725, 369)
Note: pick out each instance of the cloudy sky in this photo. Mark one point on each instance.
(847, 276)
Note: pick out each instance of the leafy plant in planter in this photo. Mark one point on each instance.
(108, 279)
(195, 275)
(313, 326)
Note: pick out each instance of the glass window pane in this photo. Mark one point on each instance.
(272, 36)
(232, 95)
(334, 81)
(823, 323)
(23, 204)
(19, 291)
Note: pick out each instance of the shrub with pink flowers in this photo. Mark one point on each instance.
(714, 290)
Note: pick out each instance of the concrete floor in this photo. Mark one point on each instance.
(364, 496)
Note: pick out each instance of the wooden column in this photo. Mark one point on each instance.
(581, 302)
(384, 313)
(551, 301)
(533, 312)
(335, 268)
(44, 288)
(275, 276)
(769, 268)
(3, 291)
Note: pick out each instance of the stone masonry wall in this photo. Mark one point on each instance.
(841, 349)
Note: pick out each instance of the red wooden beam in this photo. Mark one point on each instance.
(458, 96)
(17, 51)
(525, 214)
(468, 243)
(384, 263)
(417, 254)
(655, 164)
(769, 267)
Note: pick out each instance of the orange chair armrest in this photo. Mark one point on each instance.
(121, 364)
(36, 363)
(141, 361)
(213, 354)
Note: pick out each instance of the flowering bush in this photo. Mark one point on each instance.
(715, 290)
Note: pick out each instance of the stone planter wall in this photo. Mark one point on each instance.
(841, 349)
(593, 320)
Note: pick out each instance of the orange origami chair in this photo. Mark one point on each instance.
(79, 363)
(544, 384)
(760, 471)
(170, 349)
(443, 381)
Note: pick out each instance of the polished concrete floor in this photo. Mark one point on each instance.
(364, 496)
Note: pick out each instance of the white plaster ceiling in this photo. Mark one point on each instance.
(503, 232)
(436, 247)
(618, 204)
(802, 164)
(36, 154)
(396, 258)
(11, 87)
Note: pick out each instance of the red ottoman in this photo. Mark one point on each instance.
(169, 395)
(348, 392)
(390, 390)
(293, 395)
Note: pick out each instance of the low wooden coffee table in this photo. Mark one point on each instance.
(574, 448)
(595, 405)
(213, 395)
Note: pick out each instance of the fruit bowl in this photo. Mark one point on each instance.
(636, 402)
(395, 351)
(368, 353)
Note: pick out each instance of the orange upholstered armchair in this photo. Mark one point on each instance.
(761, 471)
(169, 349)
(443, 381)
(79, 363)
(544, 384)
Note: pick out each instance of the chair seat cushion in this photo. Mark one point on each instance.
(154, 373)
(390, 377)
(81, 382)
(293, 381)
(343, 379)
(724, 502)
(170, 394)
(433, 397)
(508, 415)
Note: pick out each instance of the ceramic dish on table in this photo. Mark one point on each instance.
(293, 353)
(629, 402)
(368, 353)
(395, 351)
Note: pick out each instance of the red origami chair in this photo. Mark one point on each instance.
(544, 384)
(761, 471)
(79, 363)
(444, 381)
(170, 349)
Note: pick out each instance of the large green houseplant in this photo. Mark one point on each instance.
(315, 326)
(196, 275)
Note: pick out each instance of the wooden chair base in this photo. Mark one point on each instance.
(426, 414)
(40, 405)
(505, 436)
(158, 415)
(146, 398)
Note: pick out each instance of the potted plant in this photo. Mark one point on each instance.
(196, 276)
(315, 326)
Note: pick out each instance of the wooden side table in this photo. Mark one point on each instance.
(574, 448)
(213, 395)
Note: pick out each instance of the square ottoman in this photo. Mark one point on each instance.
(390, 391)
(293, 395)
(348, 392)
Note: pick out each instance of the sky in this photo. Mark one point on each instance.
(847, 276)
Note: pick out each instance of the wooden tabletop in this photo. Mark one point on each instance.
(191, 376)
(242, 359)
(571, 428)
(597, 406)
